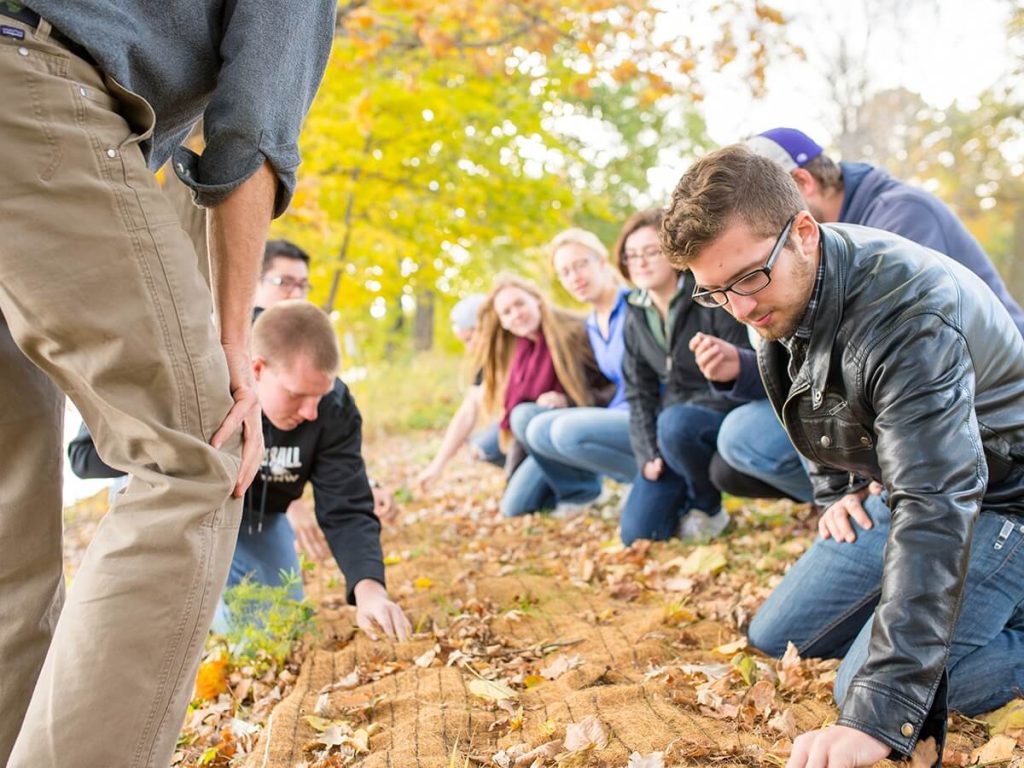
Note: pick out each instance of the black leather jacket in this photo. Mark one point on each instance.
(914, 377)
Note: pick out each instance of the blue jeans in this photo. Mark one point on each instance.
(261, 555)
(486, 442)
(825, 603)
(593, 440)
(686, 440)
(753, 441)
(541, 482)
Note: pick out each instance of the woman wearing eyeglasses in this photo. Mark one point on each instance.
(674, 411)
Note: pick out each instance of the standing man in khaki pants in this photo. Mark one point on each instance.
(101, 298)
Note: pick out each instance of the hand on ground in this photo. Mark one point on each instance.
(718, 360)
(384, 504)
(836, 747)
(376, 613)
(309, 539)
(427, 477)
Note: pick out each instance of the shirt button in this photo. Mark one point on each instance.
(865, 441)
(82, 91)
(907, 730)
(825, 441)
(111, 153)
(23, 51)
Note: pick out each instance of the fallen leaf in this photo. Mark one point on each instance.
(995, 750)
(212, 679)
(351, 680)
(491, 690)
(426, 659)
(703, 561)
(317, 723)
(677, 584)
(334, 736)
(730, 648)
(323, 704)
(560, 666)
(653, 760)
(589, 733)
(361, 740)
(1008, 718)
(762, 695)
(925, 754)
(784, 724)
(710, 671)
(532, 681)
(543, 752)
(746, 666)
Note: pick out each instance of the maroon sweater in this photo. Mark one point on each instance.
(531, 374)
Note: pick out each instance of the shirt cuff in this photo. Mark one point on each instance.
(213, 178)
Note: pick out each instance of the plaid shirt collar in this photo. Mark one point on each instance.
(803, 331)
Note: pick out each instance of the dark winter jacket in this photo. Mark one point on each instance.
(659, 369)
(914, 377)
(325, 452)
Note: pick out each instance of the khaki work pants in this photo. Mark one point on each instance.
(101, 299)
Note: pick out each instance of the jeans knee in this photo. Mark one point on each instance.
(520, 417)
(731, 438)
(537, 436)
(564, 438)
(765, 634)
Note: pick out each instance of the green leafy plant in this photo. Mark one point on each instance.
(264, 621)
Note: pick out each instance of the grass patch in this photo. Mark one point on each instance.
(415, 392)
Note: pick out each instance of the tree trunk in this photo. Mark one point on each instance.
(423, 329)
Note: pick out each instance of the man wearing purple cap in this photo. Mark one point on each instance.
(752, 443)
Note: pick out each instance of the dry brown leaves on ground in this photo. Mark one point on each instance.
(541, 643)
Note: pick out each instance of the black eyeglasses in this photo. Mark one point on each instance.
(748, 284)
(288, 283)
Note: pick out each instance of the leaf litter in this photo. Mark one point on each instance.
(539, 643)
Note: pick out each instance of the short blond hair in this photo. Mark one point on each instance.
(292, 328)
(581, 237)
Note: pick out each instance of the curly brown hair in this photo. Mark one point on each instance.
(730, 183)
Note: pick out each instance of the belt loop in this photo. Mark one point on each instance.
(43, 29)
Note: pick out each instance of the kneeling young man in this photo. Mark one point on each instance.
(312, 430)
(883, 360)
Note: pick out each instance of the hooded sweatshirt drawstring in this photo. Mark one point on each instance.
(263, 475)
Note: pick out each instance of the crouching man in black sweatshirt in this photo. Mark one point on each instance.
(313, 433)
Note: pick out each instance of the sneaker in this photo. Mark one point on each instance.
(698, 525)
(567, 511)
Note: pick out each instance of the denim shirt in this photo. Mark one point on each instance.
(609, 351)
(248, 69)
